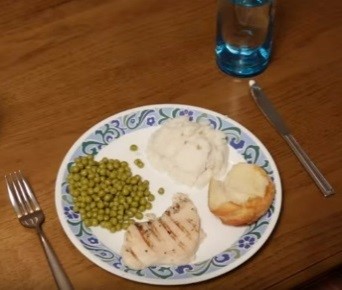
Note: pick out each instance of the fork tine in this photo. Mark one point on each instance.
(20, 194)
(21, 191)
(14, 198)
(27, 190)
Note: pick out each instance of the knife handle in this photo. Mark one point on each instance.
(311, 168)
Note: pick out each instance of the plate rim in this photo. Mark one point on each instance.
(182, 281)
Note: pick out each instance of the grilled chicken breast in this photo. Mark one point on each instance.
(171, 239)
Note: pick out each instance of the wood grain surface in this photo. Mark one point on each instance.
(66, 65)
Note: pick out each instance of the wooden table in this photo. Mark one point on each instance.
(66, 65)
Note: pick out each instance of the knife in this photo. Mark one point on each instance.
(275, 119)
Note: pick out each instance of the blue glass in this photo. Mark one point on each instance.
(244, 36)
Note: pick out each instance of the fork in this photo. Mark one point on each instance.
(30, 215)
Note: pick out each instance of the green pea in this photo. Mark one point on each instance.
(113, 174)
(118, 186)
(137, 162)
(133, 147)
(110, 166)
(102, 172)
(84, 161)
(88, 223)
(84, 173)
(142, 208)
(125, 191)
(125, 225)
(134, 180)
(130, 213)
(139, 215)
(107, 197)
(74, 169)
(94, 222)
(76, 177)
(75, 193)
(116, 164)
(151, 197)
(161, 190)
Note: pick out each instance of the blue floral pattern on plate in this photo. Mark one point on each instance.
(240, 139)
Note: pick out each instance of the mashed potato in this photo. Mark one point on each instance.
(190, 153)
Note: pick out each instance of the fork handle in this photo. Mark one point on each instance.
(61, 278)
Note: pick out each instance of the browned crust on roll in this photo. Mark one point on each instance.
(238, 215)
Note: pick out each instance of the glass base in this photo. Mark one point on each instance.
(242, 62)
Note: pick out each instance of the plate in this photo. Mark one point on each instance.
(223, 249)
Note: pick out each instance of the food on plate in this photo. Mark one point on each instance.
(190, 153)
(171, 239)
(139, 163)
(106, 193)
(243, 196)
(133, 147)
(161, 190)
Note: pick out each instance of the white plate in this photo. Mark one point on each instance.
(223, 249)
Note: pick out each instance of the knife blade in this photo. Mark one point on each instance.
(275, 119)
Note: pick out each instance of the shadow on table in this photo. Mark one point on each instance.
(331, 280)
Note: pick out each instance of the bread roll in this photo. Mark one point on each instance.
(243, 196)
